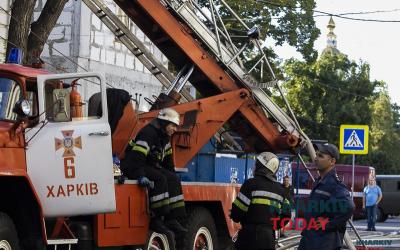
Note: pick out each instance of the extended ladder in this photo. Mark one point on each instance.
(189, 11)
(133, 44)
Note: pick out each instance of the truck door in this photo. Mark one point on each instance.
(69, 157)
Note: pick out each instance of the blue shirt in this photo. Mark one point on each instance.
(371, 195)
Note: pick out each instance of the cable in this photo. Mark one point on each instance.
(330, 14)
(361, 13)
(340, 90)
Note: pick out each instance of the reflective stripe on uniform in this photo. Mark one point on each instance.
(161, 203)
(143, 144)
(264, 201)
(176, 198)
(267, 194)
(140, 149)
(244, 198)
(178, 204)
(168, 152)
(240, 205)
(159, 197)
(318, 191)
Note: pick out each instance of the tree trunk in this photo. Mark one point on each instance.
(40, 29)
(21, 11)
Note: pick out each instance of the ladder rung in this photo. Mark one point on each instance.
(133, 43)
(62, 242)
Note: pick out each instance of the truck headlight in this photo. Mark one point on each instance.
(22, 108)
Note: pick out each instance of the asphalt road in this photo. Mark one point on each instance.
(391, 225)
(387, 235)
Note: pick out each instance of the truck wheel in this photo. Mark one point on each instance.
(8, 233)
(202, 233)
(159, 242)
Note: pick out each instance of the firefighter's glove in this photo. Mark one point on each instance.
(144, 181)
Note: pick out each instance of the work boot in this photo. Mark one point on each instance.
(157, 225)
(176, 227)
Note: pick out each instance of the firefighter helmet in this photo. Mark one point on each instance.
(269, 160)
(169, 114)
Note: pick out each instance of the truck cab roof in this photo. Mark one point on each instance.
(20, 70)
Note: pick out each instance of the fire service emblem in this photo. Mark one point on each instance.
(68, 143)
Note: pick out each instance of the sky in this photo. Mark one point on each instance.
(373, 42)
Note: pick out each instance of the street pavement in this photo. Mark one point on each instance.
(392, 224)
(387, 235)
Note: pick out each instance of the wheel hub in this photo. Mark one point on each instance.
(157, 242)
(203, 240)
(4, 245)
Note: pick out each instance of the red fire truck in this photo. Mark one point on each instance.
(56, 169)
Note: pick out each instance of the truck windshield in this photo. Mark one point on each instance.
(10, 93)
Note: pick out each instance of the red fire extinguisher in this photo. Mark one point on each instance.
(76, 101)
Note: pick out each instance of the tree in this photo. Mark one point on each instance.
(334, 91)
(385, 136)
(285, 21)
(289, 21)
(31, 36)
(329, 92)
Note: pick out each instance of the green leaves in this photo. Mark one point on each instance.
(334, 91)
(289, 21)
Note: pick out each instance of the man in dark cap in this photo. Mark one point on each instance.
(333, 203)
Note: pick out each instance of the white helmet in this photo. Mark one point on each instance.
(269, 160)
(169, 114)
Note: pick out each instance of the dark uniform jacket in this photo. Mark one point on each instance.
(150, 148)
(333, 202)
(289, 194)
(260, 199)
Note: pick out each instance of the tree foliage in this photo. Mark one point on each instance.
(329, 92)
(334, 91)
(289, 21)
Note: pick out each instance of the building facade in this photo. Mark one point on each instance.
(81, 42)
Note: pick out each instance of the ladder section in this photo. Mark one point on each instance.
(181, 44)
(190, 12)
(133, 44)
(119, 29)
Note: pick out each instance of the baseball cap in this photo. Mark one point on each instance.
(327, 148)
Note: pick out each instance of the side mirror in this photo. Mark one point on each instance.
(62, 109)
(22, 108)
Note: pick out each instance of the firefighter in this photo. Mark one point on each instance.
(148, 158)
(259, 202)
(331, 201)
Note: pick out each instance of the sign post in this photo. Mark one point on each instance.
(353, 140)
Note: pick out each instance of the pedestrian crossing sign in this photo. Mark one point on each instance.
(354, 139)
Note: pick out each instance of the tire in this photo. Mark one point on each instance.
(202, 232)
(381, 216)
(158, 241)
(8, 234)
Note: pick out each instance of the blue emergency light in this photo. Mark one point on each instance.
(15, 56)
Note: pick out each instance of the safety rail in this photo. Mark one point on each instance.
(62, 242)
